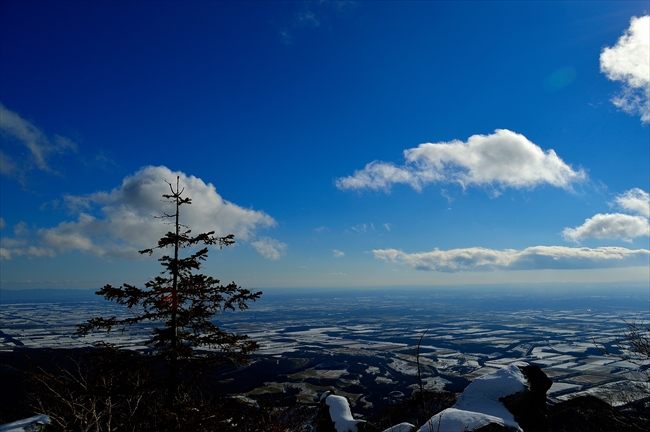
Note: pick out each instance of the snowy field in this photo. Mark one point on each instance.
(364, 344)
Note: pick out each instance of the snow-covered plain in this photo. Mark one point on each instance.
(465, 339)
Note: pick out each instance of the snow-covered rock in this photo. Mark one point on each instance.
(402, 427)
(339, 412)
(482, 402)
(26, 425)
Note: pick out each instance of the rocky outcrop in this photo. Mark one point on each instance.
(510, 399)
(529, 407)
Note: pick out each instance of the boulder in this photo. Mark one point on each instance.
(510, 399)
(529, 407)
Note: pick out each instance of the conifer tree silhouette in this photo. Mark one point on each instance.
(181, 304)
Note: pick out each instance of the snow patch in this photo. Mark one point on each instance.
(402, 427)
(24, 424)
(340, 413)
(479, 404)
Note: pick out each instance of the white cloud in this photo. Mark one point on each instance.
(360, 228)
(310, 15)
(635, 201)
(337, 253)
(502, 159)
(629, 62)
(387, 226)
(616, 225)
(7, 165)
(609, 226)
(532, 258)
(31, 251)
(120, 222)
(37, 145)
(2, 223)
(19, 246)
(285, 36)
(270, 248)
(307, 18)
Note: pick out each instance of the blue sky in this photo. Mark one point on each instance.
(345, 144)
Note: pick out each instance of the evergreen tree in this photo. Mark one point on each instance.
(183, 303)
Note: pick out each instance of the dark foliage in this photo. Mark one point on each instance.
(416, 409)
(99, 390)
(185, 302)
(186, 345)
(589, 414)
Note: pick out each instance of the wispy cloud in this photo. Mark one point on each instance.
(311, 15)
(616, 225)
(28, 251)
(34, 148)
(120, 222)
(337, 253)
(307, 18)
(629, 62)
(635, 201)
(532, 258)
(502, 159)
(362, 228)
(269, 248)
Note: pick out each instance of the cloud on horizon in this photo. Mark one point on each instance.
(629, 62)
(500, 160)
(532, 258)
(35, 147)
(121, 222)
(616, 225)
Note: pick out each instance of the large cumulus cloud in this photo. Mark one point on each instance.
(500, 160)
(121, 222)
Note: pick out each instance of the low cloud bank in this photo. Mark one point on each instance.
(532, 258)
(120, 222)
(500, 160)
